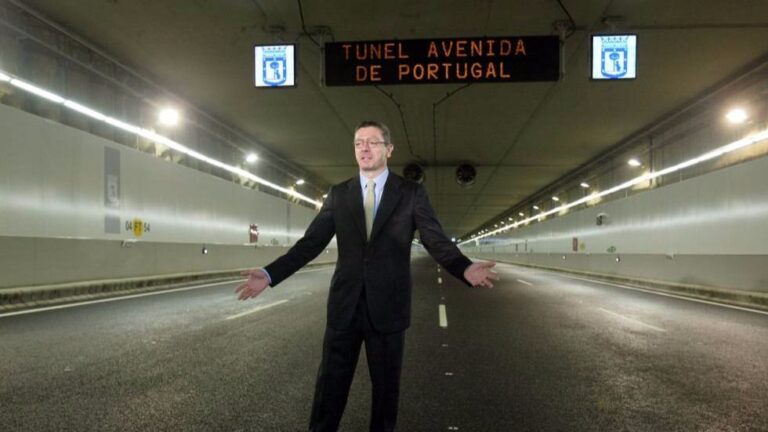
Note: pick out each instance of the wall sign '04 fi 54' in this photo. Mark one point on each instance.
(439, 61)
(138, 227)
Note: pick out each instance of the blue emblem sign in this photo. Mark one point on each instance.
(274, 66)
(614, 57)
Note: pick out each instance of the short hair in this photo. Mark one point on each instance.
(378, 125)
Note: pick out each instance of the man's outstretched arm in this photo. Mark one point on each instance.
(445, 251)
(480, 274)
(316, 238)
(257, 282)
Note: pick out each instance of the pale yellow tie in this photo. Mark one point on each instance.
(368, 205)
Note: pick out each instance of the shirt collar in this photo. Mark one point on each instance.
(380, 179)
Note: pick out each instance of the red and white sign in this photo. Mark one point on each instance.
(253, 233)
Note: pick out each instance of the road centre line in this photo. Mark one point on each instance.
(131, 296)
(633, 320)
(443, 316)
(257, 309)
(523, 282)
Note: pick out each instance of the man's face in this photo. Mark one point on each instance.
(370, 149)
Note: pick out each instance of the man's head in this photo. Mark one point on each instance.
(372, 147)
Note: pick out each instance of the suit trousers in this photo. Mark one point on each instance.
(341, 349)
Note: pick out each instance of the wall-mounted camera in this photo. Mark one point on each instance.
(601, 219)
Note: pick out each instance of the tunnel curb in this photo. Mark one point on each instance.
(734, 297)
(31, 297)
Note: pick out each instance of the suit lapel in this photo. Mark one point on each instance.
(355, 203)
(389, 201)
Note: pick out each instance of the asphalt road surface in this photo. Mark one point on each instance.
(539, 352)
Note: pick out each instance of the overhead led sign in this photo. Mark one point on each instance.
(440, 61)
(275, 65)
(614, 57)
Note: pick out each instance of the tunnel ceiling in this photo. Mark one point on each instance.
(521, 136)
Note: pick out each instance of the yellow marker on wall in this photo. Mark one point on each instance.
(138, 227)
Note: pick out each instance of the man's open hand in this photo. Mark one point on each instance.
(480, 274)
(256, 283)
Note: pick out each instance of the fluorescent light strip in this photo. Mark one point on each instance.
(150, 135)
(37, 91)
(121, 125)
(85, 110)
(728, 148)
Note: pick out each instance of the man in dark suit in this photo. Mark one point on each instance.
(374, 217)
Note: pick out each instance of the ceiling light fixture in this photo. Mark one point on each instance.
(634, 162)
(521, 214)
(584, 185)
(535, 207)
(152, 136)
(251, 158)
(168, 117)
(300, 182)
(555, 199)
(737, 116)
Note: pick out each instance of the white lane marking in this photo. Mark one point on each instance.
(314, 270)
(523, 282)
(649, 291)
(112, 299)
(669, 295)
(449, 374)
(259, 308)
(633, 320)
(443, 316)
(65, 306)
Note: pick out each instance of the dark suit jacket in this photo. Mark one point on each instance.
(380, 266)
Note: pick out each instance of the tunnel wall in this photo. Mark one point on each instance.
(69, 203)
(709, 230)
(29, 261)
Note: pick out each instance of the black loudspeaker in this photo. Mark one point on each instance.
(414, 173)
(465, 175)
